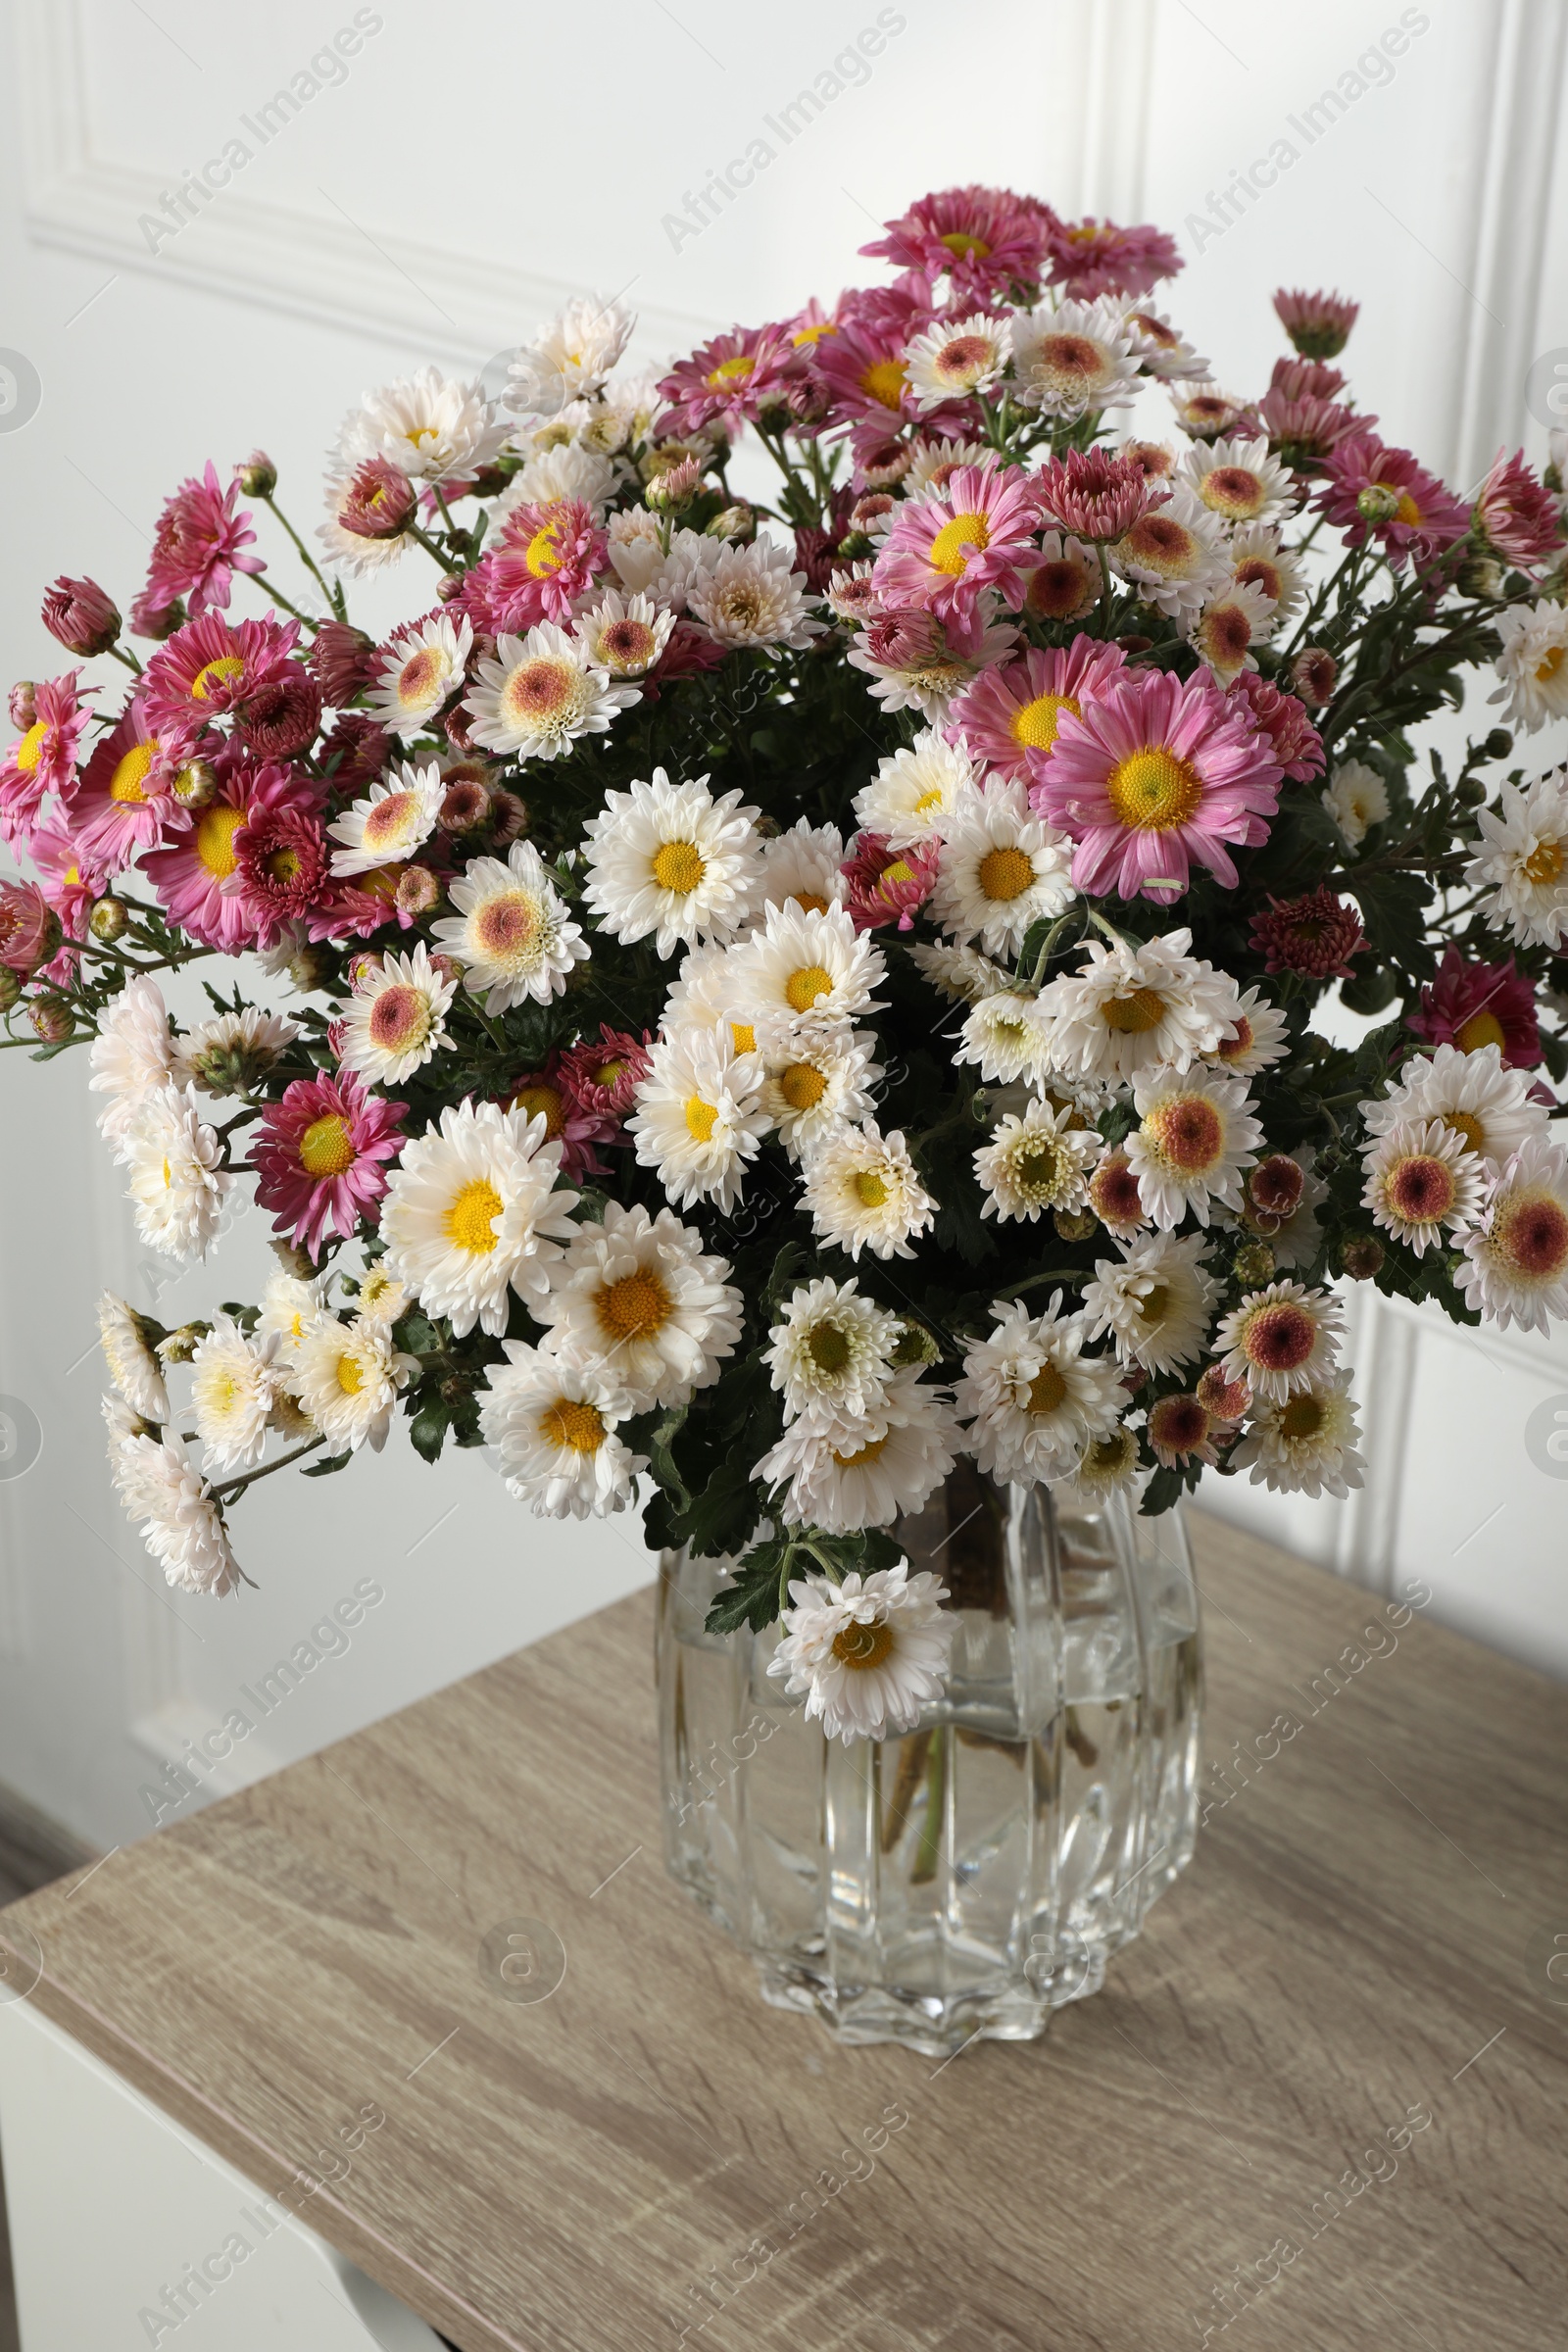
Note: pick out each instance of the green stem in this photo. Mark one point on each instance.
(123, 652)
(229, 1488)
(331, 590)
(923, 1869)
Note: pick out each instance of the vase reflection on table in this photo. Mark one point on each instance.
(978, 1872)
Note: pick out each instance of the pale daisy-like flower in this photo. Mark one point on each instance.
(1280, 1339)
(636, 1298)
(863, 1193)
(1156, 1299)
(231, 1390)
(934, 461)
(1073, 358)
(1533, 663)
(1174, 555)
(801, 866)
(1006, 1036)
(863, 1473)
(1258, 559)
(1035, 1162)
(647, 567)
(1196, 1133)
(232, 1049)
(801, 975)
(963, 974)
(288, 1304)
(671, 861)
(131, 1352)
(347, 1376)
(569, 357)
(1033, 1397)
(538, 695)
(472, 1212)
(1357, 799)
(1304, 1443)
(820, 1088)
(623, 634)
(1260, 1036)
(349, 551)
(831, 1356)
(182, 1525)
(1002, 868)
(178, 1181)
(1515, 1266)
(553, 1426)
(699, 1119)
(1108, 1465)
(1224, 632)
(419, 670)
(1129, 1009)
(132, 1054)
(560, 469)
(957, 357)
(395, 816)
(870, 1653)
(916, 789)
(1487, 1105)
(751, 596)
(851, 594)
(1522, 862)
(381, 1298)
(430, 425)
(1159, 348)
(1422, 1181)
(511, 932)
(395, 1021)
(1238, 482)
(700, 998)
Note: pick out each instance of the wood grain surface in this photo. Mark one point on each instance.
(1319, 2105)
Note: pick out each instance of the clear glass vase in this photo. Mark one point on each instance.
(975, 1874)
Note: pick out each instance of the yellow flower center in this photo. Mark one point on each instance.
(1155, 1305)
(29, 750)
(966, 247)
(807, 336)
(634, 1308)
(1047, 1391)
(215, 840)
(1134, 1016)
(1303, 1417)
(860, 1646)
(350, 1375)
(220, 672)
(828, 1349)
(327, 1149)
(125, 784)
(572, 1426)
(872, 1451)
(801, 1086)
(1153, 790)
(1038, 1166)
(1005, 874)
(678, 866)
(701, 1119)
(869, 1189)
(1544, 863)
(803, 987)
(884, 380)
(1551, 663)
(543, 1099)
(731, 372)
(744, 1036)
(1036, 724)
(471, 1219)
(1466, 1125)
(1481, 1029)
(812, 902)
(543, 555)
(957, 541)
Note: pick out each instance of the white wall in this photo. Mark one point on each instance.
(475, 163)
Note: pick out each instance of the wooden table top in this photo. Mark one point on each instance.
(1321, 2100)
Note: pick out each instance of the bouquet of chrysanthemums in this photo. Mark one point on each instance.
(799, 979)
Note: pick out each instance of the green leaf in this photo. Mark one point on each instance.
(327, 1464)
(429, 1430)
(753, 1598)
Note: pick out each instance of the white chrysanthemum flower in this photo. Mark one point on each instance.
(1258, 560)
(801, 975)
(511, 932)
(431, 426)
(396, 1019)
(564, 471)
(863, 1193)
(1486, 1104)
(568, 358)
(381, 1300)
(177, 1182)
(1422, 1181)
(1224, 632)
(1357, 798)
(347, 1376)
(1533, 664)
(623, 634)
(963, 974)
(1160, 349)
(232, 1049)
(471, 1211)
(850, 594)
(700, 1120)
(957, 357)
(384, 829)
(1035, 1162)
(349, 551)
(231, 1388)
(287, 1306)
(1260, 1036)
(869, 1653)
(1238, 482)
(831, 1357)
(129, 1351)
(700, 997)
(1034, 1398)
(754, 596)
(1175, 555)
(647, 567)
(132, 1054)
(1073, 359)
(929, 681)
(934, 461)
(1522, 862)
(553, 1426)
(1304, 1443)
(1280, 1339)
(1108, 1465)
(1156, 1299)
(865, 1473)
(1297, 1241)
(671, 861)
(1130, 1008)
(1195, 1136)
(1005, 1037)
(820, 1089)
(915, 792)
(420, 668)
(801, 867)
(1516, 1260)
(636, 1298)
(538, 695)
(182, 1525)
(1002, 868)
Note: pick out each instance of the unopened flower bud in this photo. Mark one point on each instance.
(1226, 1399)
(366, 971)
(80, 616)
(23, 704)
(157, 622)
(449, 587)
(1313, 674)
(53, 1019)
(734, 522)
(672, 489)
(417, 891)
(1470, 791)
(108, 920)
(1499, 744)
(180, 1346)
(10, 988)
(446, 967)
(1252, 1264)
(913, 1345)
(292, 1259)
(1379, 501)
(1361, 1256)
(509, 817)
(455, 726)
(257, 475)
(1481, 576)
(1074, 1224)
(194, 785)
(310, 967)
(468, 802)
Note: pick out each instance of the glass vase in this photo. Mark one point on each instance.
(978, 1872)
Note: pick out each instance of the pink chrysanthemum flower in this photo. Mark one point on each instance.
(378, 502)
(29, 928)
(123, 804)
(1304, 430)
(545, 561)
(280, 715)
(81, 615)
(319, 1157)
(917, 663)
(603, 1075)
(45, 758)
(1307, 379)
(1297, 745)
(568, 1122)
(196, 546)
(67, 876)
(1318, 324)
(1476, 1004)
(1097, 494)
(888, 884)
(729, 377)
(195, 875)
(984, 239)
(1316, 934)
(209, 669)
(1010, 716)
(979, 533)
(1088, 258)
(1522, 520)
(281, 871)
(1181, 1430)
(343, 662)
(863, 375)
(1205, 413)
(1156, 772)
(1375, 492)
